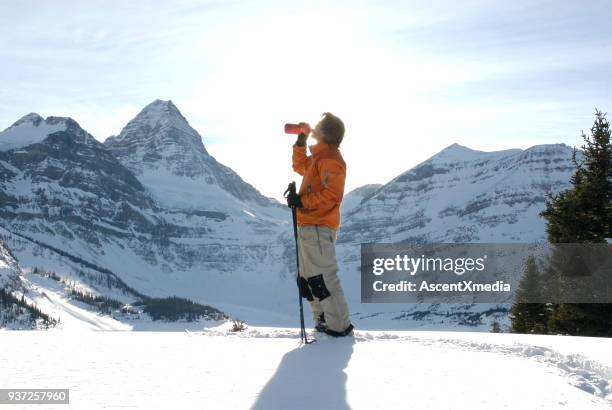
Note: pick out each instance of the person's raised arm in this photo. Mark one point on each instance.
(300, 159)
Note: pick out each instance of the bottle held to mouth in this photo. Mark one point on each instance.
(300, 128)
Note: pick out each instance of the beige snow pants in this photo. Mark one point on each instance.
(318, 265)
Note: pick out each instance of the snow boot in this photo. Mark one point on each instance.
(347, 332)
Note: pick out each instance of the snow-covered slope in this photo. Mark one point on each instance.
(354, 198)
(9, 269)
(17, 309)
(267, 369)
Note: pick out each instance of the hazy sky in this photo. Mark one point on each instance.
(407, 77)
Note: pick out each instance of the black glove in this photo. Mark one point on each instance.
(301, 140)
(293, 200)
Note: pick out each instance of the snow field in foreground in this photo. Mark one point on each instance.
(266, 368)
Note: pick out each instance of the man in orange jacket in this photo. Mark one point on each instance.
(318, 216)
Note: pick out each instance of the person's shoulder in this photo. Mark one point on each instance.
(340, 157)
(333, 158)
(337, 155)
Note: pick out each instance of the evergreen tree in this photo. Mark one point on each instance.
(527, 315)
(582, 214)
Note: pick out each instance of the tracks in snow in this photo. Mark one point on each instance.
(586, 374)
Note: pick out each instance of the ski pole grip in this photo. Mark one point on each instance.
(290, 189)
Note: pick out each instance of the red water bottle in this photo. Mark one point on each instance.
(297, 128)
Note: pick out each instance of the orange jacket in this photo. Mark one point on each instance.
(322, 187)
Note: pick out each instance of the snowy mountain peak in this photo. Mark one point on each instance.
(159, 138)
(31, 118)
(169, 158)
(156, 122)
(162, 111)
(31, 129)
(454, 147)
(161, 105)
(457, 149)
(455, 152)
(549, 149)
(460, 153)
(539, 154)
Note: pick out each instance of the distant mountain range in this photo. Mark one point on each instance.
(463, 195)
(150, 213)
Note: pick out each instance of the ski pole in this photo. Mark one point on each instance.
(291, 190)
